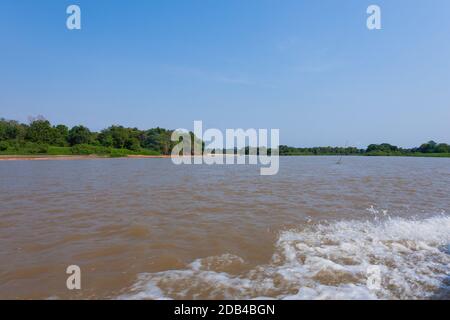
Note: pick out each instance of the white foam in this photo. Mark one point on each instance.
(326, 261)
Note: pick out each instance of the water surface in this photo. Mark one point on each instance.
(145, 228)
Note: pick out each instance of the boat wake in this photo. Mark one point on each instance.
(411, 260)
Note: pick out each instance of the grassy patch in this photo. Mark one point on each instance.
(28, 149)
(59, 151)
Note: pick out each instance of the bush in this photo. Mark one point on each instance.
(86, 149)
(133, 144)
(35, 148)
(4, 145)
(118, 153)
(52, 150)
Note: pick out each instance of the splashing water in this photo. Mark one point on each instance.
(325, 261)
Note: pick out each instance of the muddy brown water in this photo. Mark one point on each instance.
(148, 229)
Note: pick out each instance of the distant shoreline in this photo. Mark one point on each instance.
(44, 157)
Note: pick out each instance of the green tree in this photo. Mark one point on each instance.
(114, 136)
(428, 147)
(105, 138)
(79, 135)
(442, 148)
(158, 139)
(384, 147)
(40, 131)
(12, 130)
(60, 135)
(133, 144)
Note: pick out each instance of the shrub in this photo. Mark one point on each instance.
(118, 153)
(35, 148)
(4, 145)
(86, 149)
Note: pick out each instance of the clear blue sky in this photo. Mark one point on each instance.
(310, 68)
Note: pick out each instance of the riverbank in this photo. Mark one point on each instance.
(43, 157)
(71, 157)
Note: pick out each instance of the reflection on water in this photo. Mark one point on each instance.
(145, 228)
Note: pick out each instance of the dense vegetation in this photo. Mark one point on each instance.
(430, 148)
(40, 137)
(285, 150)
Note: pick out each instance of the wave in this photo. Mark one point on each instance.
(395, 258)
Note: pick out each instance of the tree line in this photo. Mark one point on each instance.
(41, 137)
(384, 149)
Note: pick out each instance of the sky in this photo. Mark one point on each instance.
(309, 68)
